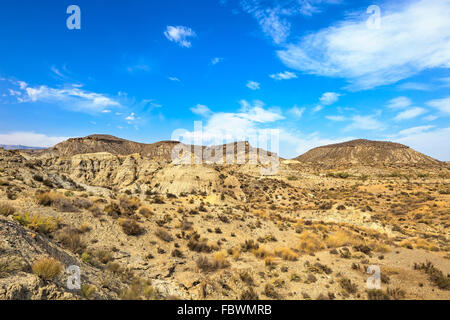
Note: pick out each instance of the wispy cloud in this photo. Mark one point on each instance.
(328, 98)
(410, 114)
(180, 35)
(253, 85)
(286, 75)
(417, 86)
(174, 79)
(297, 112)
(71, 97)
(399, 102)
(216, 60)
(364, 123)
(415, 130)
(272, 16)
(430, 142)
(414, 36)
(336, 118)
(201, 110)
(442, 105)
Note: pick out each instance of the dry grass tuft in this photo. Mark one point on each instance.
(47, 268)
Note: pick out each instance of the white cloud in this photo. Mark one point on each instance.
(179, 35)
(272, 16)
(174, 79)
(399, 102)
(296, 111)
(364, 123)
(415, 130)
(410, 113)
(30, 139)
(336, 118)
(223, 127)
(430, 118)
(216, 60)
(413, 37)
(253, 85)
(131, 117)
(286, 75)
(435, 143)
(201, 110)
(415, 86)
(73, 98)
(328, 98)
(442, 105)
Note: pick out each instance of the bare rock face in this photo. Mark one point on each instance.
(366, 152)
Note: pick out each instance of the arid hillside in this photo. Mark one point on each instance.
(141, 227)
(366, 152)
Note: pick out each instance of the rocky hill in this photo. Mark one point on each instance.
(110, 144)
(367, 153)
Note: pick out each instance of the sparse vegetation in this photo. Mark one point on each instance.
(47, 268)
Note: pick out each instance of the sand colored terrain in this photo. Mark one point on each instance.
(141, 227)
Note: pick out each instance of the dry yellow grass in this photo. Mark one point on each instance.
(310, 242)
(47, 268)
(269, 261)
(262, 253)
(286, 254)
(340, 238)
(219, 260)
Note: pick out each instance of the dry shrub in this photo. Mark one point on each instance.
(310, 242)
(339, 239)
(218, 261)
(70, 239)
(249, 294)
(131, 227)
(200, 245)
(348, 285)
(6, 209)
(246, 277)
(96, 211)
(82, 203)
(269, 261)
(113, 210)
(164, 235)
(262, 253)
(186, 224)
(286, 254)
(63, 204)
(87, 291)
(44, 199)
(145, 212)
(129, 206)
(36, 222)
(139, 290)
(269, 291)
(47, 268)
(423, 244)
(382, 248)
(249, 245)
(435, 275)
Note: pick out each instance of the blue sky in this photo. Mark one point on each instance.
(319, 71)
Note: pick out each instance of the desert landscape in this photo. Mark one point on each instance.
(139, 226)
